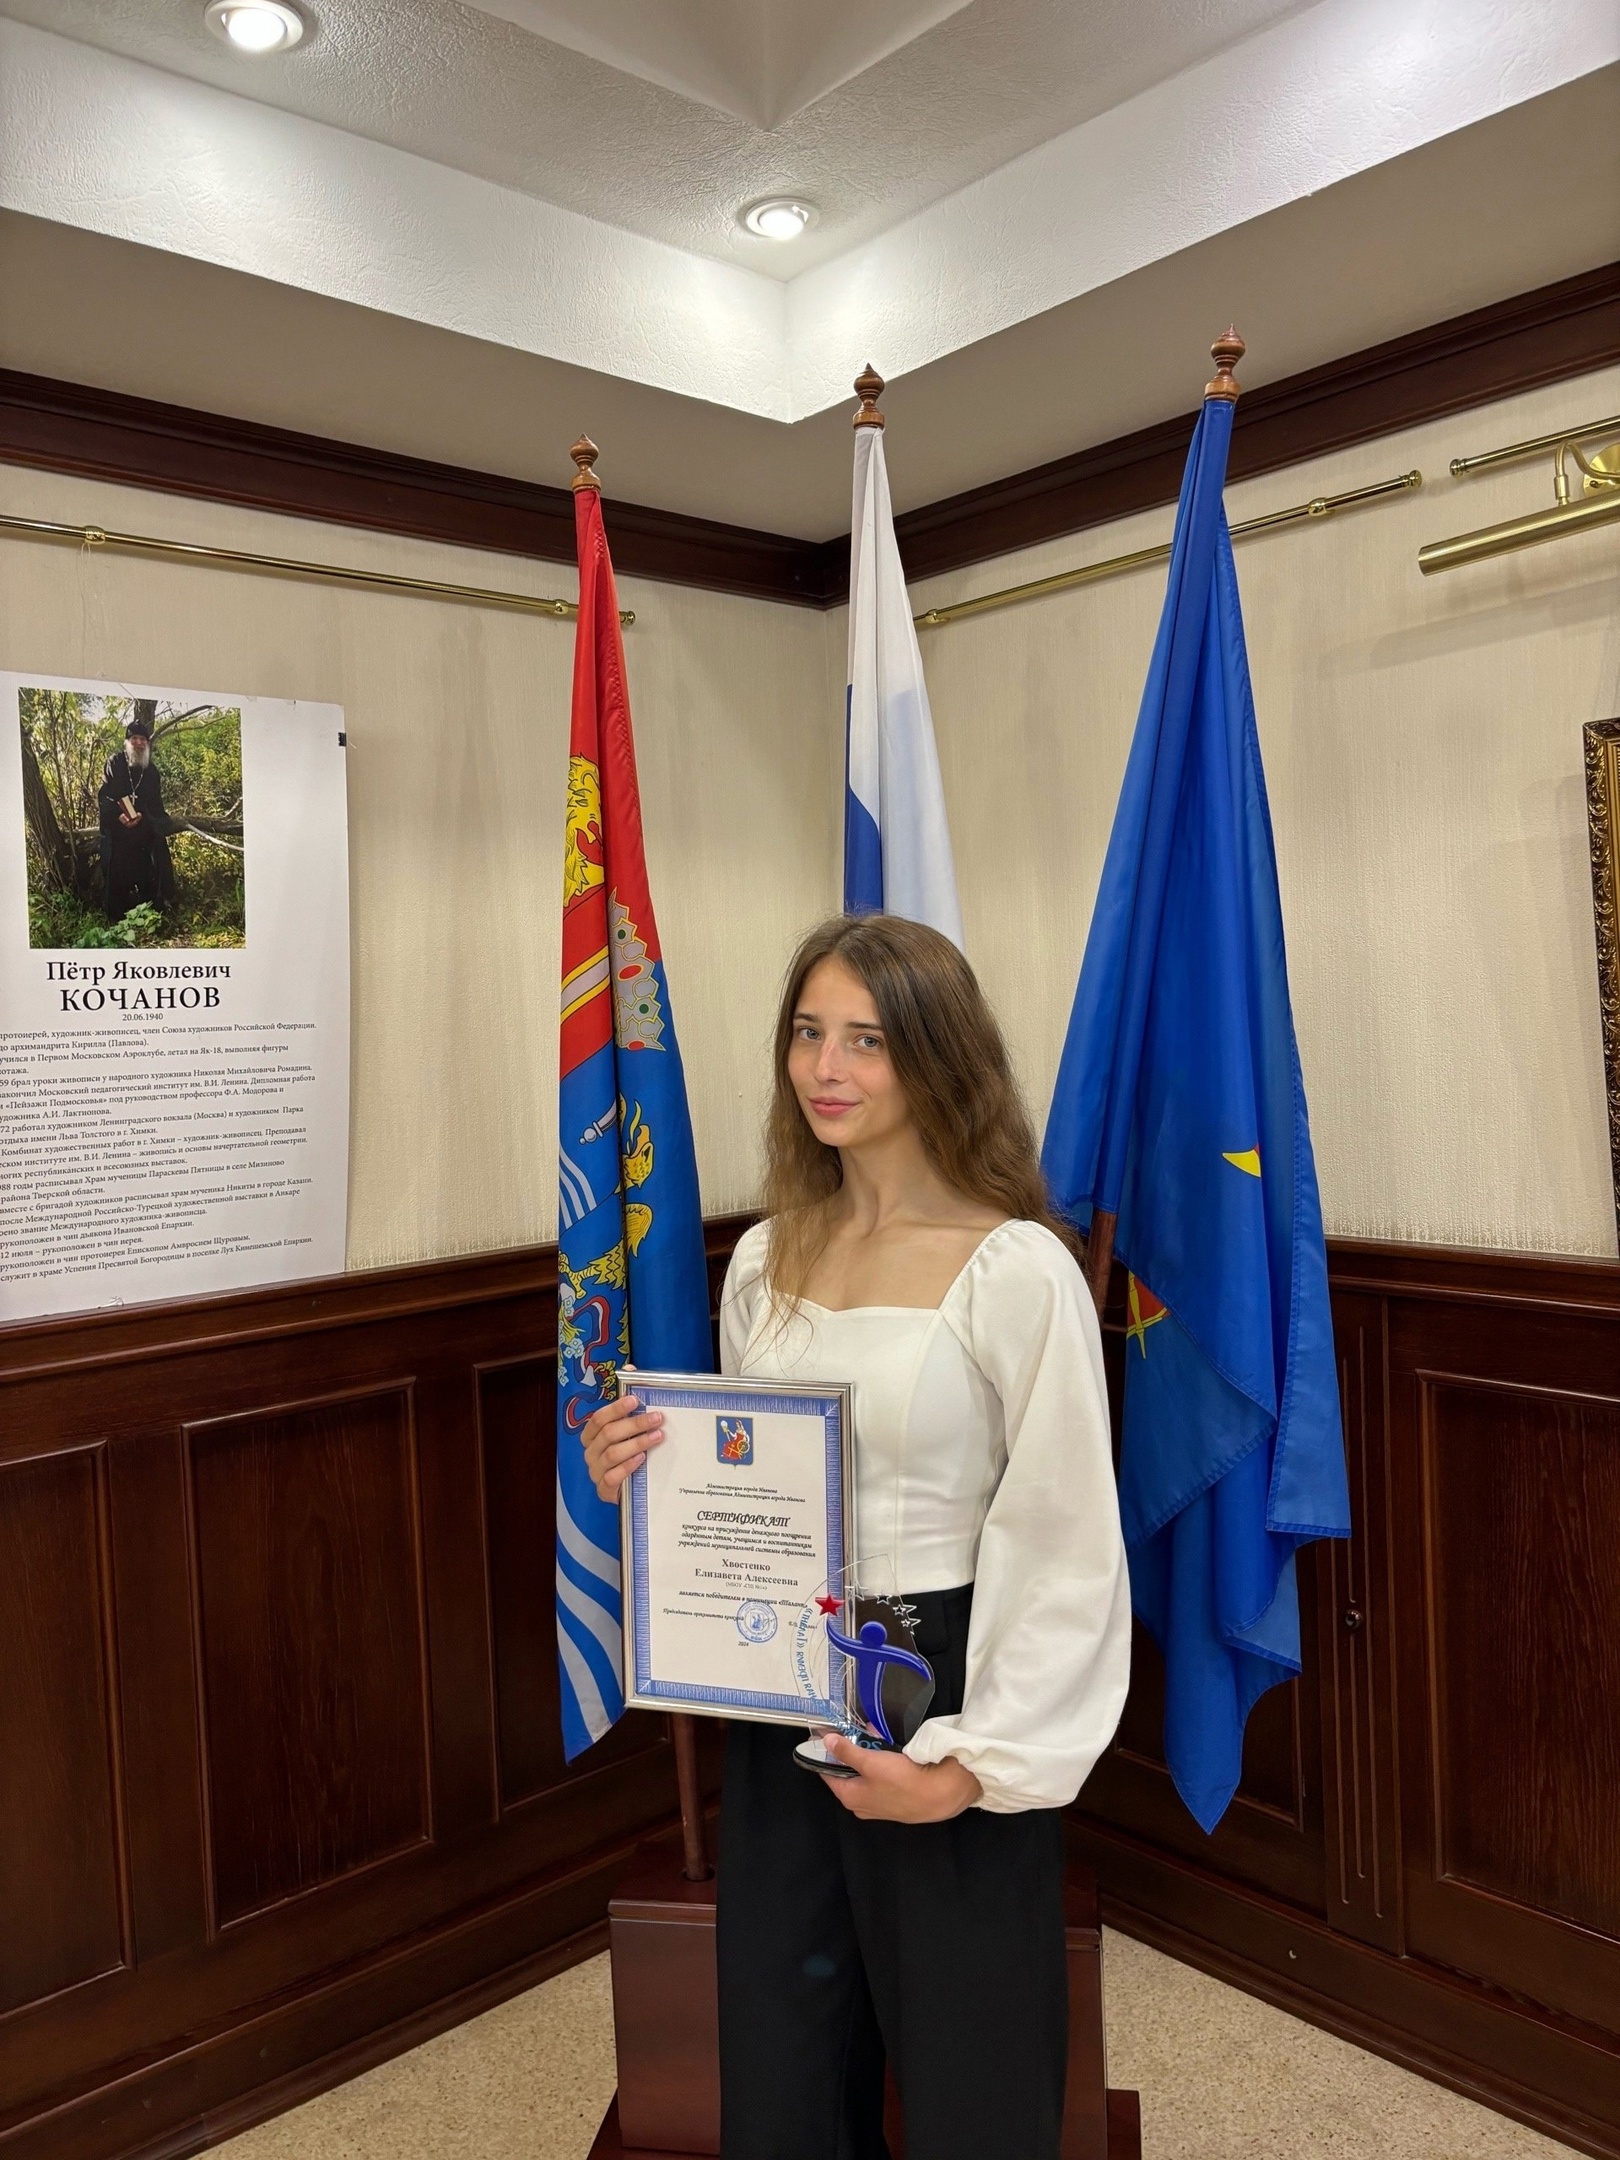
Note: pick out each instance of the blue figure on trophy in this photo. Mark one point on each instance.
(886, 1682)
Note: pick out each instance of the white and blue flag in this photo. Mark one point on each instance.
(897, 844)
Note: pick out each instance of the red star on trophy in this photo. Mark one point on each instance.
(830, 1604)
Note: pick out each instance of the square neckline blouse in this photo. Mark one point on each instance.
(837, 1312)
(981, 1430)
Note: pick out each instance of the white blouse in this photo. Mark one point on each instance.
(982, 1456)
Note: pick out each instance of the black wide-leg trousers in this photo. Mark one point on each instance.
(938, 1946)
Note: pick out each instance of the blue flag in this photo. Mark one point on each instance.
(632, 1279)
(1179, 1108)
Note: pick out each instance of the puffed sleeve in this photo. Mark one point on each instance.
(1048, 1655)
(739, 1299)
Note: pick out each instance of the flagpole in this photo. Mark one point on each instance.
(1226, 352)
(1100, 1256)
(682, 1727)
(694, 1851)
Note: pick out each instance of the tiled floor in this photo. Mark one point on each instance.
(1222, 2077)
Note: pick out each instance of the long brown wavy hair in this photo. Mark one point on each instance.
(949, 1057)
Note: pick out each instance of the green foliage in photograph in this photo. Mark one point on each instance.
(59, 919)
(69, 740)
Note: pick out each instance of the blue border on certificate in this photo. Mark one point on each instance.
(745, 1402)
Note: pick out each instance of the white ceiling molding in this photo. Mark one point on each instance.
(760, 60)
(1309, 101)
(484, 95)
(93, 140)
(116, 147)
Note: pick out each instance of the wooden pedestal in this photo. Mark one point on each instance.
(1124, 2134)
(666, 2014)
(661, 1930)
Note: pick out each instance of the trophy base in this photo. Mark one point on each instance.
(812, 1754)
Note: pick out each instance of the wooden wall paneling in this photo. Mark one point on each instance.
(1272, 1835)
(517, 1422)
(1356, 1621)
(311, 1643)
(156, 1653)
(328, 1588)
(1482, 1395)
(461, 1721)
(64, 1878)
(1557, 2074)
(234, 2068)
(1511, 1690)
(1470, 1727)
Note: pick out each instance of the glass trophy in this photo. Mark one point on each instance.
(859, 1658)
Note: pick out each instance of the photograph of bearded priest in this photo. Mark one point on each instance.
(135, 829)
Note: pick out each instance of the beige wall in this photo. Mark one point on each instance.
(1423, 752)
(457, 721)
(1422, 740)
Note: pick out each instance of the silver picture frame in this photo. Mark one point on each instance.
(696, 1407)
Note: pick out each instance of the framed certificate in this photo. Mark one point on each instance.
(733, 1529)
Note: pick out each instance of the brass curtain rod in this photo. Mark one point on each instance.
(1320, 506)
(94, 536)
(1533, 446)
(1600, 490)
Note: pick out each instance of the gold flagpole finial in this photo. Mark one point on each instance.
(1226, 352)
(585, 455)
(868, 388)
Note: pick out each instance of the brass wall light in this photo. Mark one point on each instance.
(1598, 502)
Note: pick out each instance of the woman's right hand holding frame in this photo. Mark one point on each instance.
(617, 1438)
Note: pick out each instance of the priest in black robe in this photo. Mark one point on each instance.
(135, 828)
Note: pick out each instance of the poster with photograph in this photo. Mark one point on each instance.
(174, 993)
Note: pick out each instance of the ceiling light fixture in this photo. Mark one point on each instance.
(255, 26)
(779, 217)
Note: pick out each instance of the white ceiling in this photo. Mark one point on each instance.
(646, 115)
(1515, 202)
(761, 61)
(473, 237)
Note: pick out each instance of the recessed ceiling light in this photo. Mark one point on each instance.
(779, 217)
(255, 26)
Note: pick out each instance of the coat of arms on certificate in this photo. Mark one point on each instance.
(734, 1439)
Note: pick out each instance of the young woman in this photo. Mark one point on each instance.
(914, 1911)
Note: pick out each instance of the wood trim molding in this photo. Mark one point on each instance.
(1538, 337)
(1473, 1275)
(263, 2102)
(1549, 335)
(376, 2007)
(1492, 2048)
(137, 442)
(79, 1342)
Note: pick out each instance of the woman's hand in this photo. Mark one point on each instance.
(888, 1787)
(617, 1439)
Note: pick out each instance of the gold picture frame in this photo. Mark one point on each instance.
(1603, 824)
